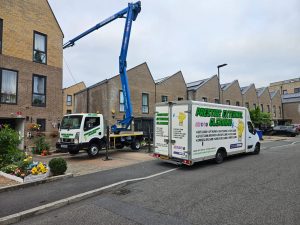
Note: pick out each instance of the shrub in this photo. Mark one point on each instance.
(58, 166)
(9, 168)
(9, 141)
(41, 145)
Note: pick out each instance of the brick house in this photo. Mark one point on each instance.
(68, 96)
(276, 105)
(264, 99)
(290, 86)
(106, 97)
(171, 88)
(206, 90)
(291, 107)
(250, 99)
(231, 93)
(30, 65)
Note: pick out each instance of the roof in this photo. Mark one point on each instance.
(193, 86)
(81, 82)
(227, 85)
(260, 91)
(273, 93)
(158, 81)
(246, 88)
(289, 98)
(285, 81)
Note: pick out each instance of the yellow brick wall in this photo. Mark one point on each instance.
(71, 91)
(20, 19)
(289, 87)
(251, 97)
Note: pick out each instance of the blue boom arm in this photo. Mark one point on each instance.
(132, 12)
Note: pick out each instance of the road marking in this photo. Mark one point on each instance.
(14, 218)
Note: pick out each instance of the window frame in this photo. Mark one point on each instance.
(17, 85)
(262, 107)
(85, 121)
(227, 101)
(254, 105)
(162, 98)
(1, 35)
(204, 99)
(298, 90)
(247, 105)
(237, 103)
(45, 123)
(274, 110)
(46, 49)
(121, 93)
(180, 99)
(268, 108)
(45, 90)
(146, 94)
(69, 103)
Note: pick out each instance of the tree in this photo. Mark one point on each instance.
(260, 119)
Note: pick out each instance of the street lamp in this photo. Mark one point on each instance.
(219, 66)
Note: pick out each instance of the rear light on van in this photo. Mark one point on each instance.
(187, 162)
(156, 155)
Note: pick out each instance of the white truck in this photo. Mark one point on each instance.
(186, 132)
(86, 131)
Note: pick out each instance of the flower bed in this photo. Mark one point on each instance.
(26, 171)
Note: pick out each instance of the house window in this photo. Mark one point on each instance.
(274, 110)
(254, 106)
(296, 90)
(237, 103)
(1, 34)
(69, 111)
(180, 98)
(217, 100)
(121, 100)
(39, 90)
(164, 98)
(247, 104)
(268, 107)
(284, 92)
(145, 103)
(42, 123)
(262, 107)
(69, 100)
(39, 47)
(8, 86)
(204, 99)
(227, 102)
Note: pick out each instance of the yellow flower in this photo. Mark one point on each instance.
(34, 170)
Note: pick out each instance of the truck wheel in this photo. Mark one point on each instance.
(120, 145)
(219, 157)
(256, 149)
(136, 145)
(93, 150)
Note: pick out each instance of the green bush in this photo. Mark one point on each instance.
(9, 141)
(41, 145)
(58, 166)
(9, 168)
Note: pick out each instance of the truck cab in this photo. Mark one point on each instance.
(82, 131)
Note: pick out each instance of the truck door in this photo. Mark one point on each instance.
(162, 123)
(179, 131)
(250, 137)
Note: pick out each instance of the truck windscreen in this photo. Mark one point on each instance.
(71, 122)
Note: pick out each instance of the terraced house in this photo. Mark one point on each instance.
(30, 65)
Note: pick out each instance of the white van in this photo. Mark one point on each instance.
(186, 132)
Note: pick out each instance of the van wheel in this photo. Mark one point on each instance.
(220, 155)
(136, 145)
(93, 150)
(256, 149)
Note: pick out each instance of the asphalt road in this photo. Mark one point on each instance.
(246, 189)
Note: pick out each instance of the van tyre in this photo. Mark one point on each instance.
(220, 155)
(256, 149)
(94, 150)
(136, 145)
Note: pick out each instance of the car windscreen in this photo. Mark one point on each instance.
(71, 122)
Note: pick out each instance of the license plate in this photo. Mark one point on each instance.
(64, 146)
(164, 157)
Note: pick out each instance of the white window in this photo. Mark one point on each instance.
(40, 48)
(69, 100)
(164, 98)
(145, 103)
(8, 86)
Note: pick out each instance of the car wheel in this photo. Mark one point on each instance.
(219, 157)
(93, 150)
(256, 149)
(136, 145)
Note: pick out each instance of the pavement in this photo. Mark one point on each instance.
(245, 190)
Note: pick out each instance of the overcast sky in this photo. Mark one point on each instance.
(258, 39)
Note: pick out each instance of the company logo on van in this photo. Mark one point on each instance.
(237, 145)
